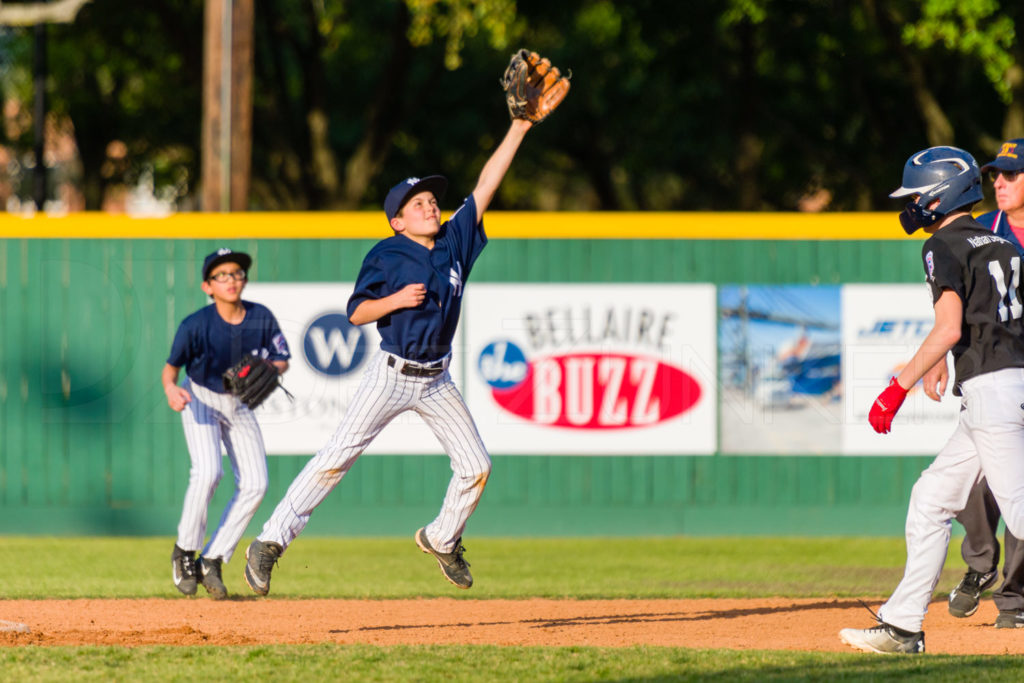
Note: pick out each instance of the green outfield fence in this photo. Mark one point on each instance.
(89, 445)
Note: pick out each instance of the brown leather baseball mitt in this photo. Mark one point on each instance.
(533, 88)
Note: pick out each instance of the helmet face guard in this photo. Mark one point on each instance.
(947, 174)
(914, 217)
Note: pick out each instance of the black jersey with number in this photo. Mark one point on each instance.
(985, 272)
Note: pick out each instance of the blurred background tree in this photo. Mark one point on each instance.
(702, 105)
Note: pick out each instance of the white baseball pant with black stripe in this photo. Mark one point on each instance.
(211, 418)
(383, 394)
(988, 441)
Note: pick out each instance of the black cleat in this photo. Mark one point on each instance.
(260, 559)
(454, 568)
(183, 570)
(1010, 618)
(209, 576)
(963, 600)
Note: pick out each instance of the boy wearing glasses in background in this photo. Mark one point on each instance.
(207, 343)
(980, 518)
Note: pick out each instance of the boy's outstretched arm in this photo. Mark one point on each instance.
(494, 170)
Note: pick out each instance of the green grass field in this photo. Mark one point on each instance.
(40, 568)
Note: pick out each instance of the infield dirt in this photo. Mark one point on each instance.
(771, 624)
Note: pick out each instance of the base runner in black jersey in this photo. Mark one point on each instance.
(980, 519)
(975, 282)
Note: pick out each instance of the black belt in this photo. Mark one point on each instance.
(432, 370)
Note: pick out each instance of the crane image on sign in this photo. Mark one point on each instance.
(780, 356)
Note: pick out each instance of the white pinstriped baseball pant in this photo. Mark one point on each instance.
(210, 419)
(382, 395)
(988, 441)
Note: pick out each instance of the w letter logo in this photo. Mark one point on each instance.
(333, 346)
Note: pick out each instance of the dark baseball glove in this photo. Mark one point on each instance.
(252, 380)
(533, 88)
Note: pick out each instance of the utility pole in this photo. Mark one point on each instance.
(39, 77)
(227, 104)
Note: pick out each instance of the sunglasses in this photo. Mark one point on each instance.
(1009, 175)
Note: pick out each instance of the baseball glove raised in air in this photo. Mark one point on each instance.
(252, 380)
(533, 88)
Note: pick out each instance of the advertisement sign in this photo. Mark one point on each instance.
(329, 355)
(883, 325)
(631, 369)
(780, 368)
(592, 368)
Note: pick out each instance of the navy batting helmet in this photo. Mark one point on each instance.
(948, 174)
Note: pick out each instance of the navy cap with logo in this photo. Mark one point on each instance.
(224, 255)
(403, 191)
(1010, 157)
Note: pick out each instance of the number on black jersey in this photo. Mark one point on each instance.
(1010, 307)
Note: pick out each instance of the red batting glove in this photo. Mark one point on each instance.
(885, 407)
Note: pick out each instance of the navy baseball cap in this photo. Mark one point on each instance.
(1010, 157)
(400, 193)
(222, 255)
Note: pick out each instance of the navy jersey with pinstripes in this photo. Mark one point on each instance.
(207, 345)
(423, 333)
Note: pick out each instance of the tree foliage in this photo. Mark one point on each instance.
(974, 28)
(455, 20)
(703, 105)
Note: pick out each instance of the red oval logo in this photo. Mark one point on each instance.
(607, 391)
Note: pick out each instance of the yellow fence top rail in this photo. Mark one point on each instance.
(499, 225)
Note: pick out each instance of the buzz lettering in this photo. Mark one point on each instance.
(626, 388)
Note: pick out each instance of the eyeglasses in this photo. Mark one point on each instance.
(1009, 175)
(224, 277)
